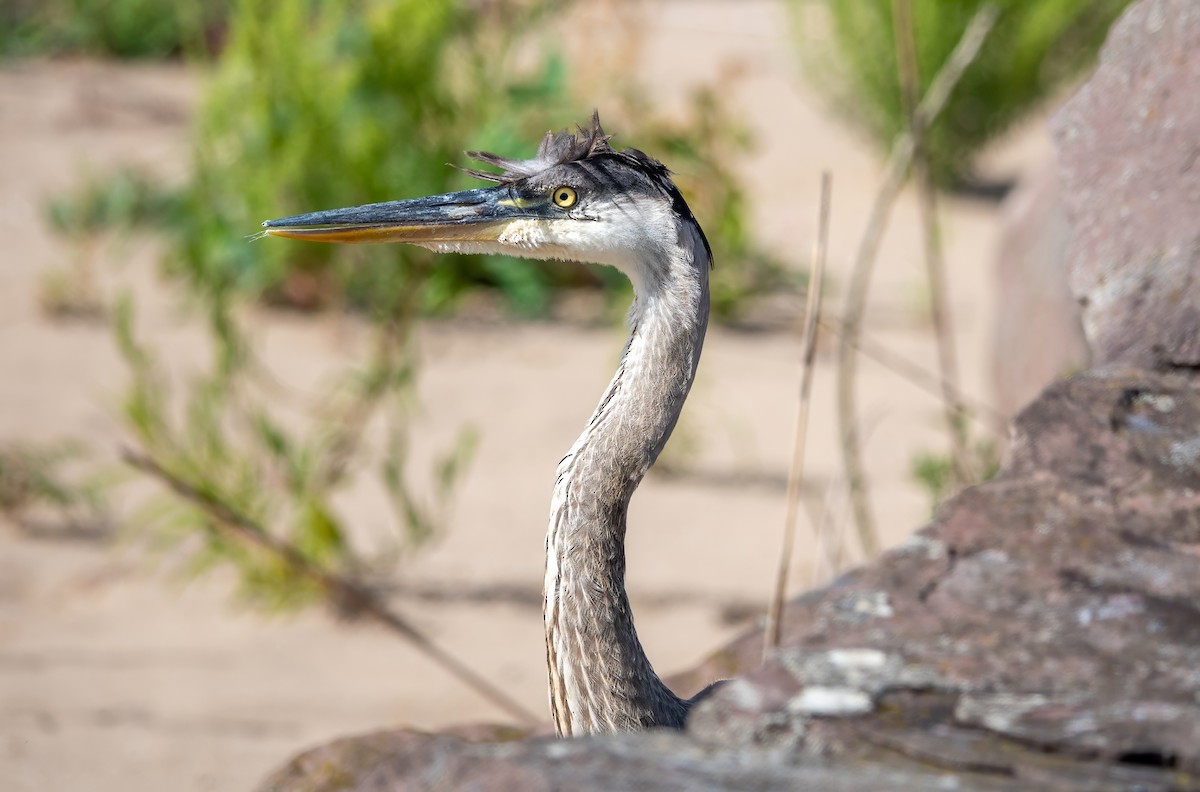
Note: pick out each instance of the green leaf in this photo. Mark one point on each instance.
(318, 535)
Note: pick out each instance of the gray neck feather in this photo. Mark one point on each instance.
(600, 678)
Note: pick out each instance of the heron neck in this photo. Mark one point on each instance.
(600, 678)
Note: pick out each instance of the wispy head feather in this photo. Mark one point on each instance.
(556, 148)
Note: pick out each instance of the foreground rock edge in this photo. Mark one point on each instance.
(1042, 631)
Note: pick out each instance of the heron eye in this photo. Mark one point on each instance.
(565, 197)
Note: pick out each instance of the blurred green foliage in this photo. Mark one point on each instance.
(338, 104)
(316, 105)
(935, 473)
(121, 199)
(245, 460)
(33, 476)
(1034, 50)
(114, 28)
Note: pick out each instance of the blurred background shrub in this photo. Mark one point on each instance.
(112, 28)
(315, 105)
(1035, 49)
(319, 105)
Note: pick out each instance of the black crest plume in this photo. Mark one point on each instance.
(556, 148)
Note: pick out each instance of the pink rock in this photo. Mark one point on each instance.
(1129, 148)
(1038, 335)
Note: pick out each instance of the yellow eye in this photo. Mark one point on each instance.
(565, 197)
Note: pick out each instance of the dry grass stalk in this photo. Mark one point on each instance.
(943, 331)
(969, 407)
(856, 298)
(812, 316)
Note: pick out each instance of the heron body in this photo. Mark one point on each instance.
(581, 200)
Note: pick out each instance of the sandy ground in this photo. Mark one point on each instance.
(113, 676)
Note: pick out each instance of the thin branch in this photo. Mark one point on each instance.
(856, 298)
(830, 528)
(812, 316)
(943, 331)
(965, 407)
(345, 594)
(344, 443)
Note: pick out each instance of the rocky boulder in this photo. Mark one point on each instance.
(1043, 632)
(1038, 333)
(1129, 150)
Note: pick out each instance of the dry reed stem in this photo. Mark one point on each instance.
(829, 546)
(895, 176)
(968, 407)
(812, 316)
(935, 263)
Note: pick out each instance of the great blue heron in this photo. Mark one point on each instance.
(579, 199)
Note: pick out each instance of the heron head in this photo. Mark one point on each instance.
(578, 199)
